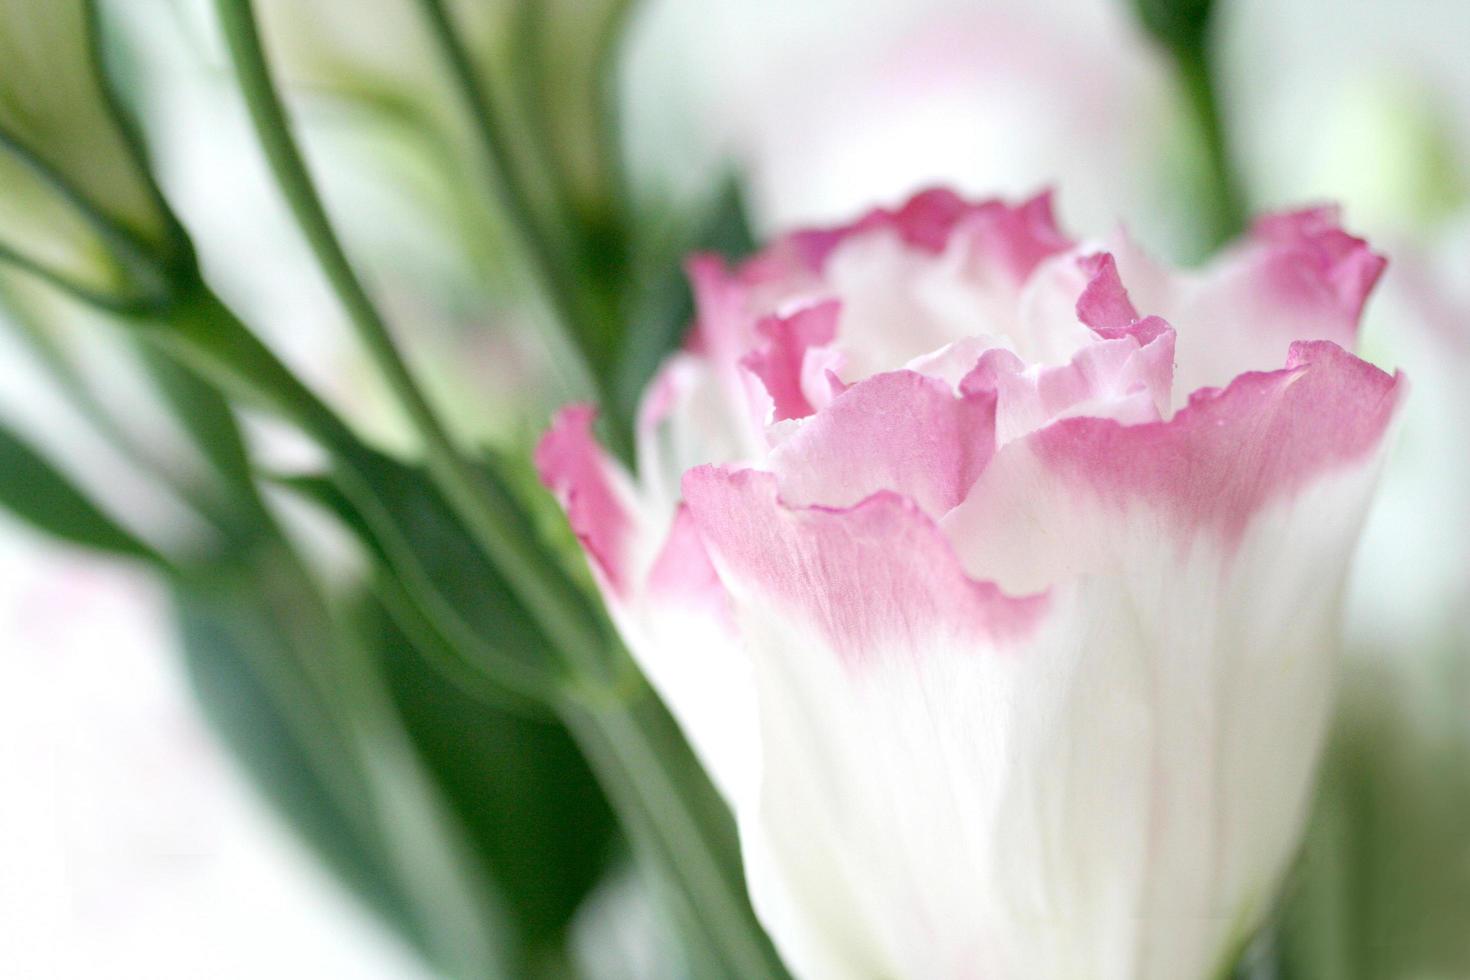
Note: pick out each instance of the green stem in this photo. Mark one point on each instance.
(612, 163)
(662, 795)
(204, 333)
(558, 278)
(459, 910)
(527, 28)
(555, 603)
(677, 823)
(660, 791)
(425, 631)
(71, 383)
(1224, 202)
(644, 761)
(139, 265)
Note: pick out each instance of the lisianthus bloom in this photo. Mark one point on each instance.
(1003, 614)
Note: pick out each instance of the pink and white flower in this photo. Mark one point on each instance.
(999, 597)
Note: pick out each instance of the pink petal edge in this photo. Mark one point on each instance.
(573, 466)
(1232, 449)
(876, 576)
(1020, 236)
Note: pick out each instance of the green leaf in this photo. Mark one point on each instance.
(79, 206)
(557, 57)
(300, 697)
(534, 809)
(1179, 25)
(36, 492)
(519, 785)
(659, 788)
(680, 826)
(236, 658)
(208, 419)
(403, 519)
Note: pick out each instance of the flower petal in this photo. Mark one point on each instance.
(1115, 379)
(1298, 276)
(591, 490)
(682, 632)
(1016, 237)
(668, 605)
(784, 363)
(1111, 794)
(1062, 798)
(876, 578)
(900, 431)
(1041, 511)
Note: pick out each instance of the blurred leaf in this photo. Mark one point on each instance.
(301, 699)
(1179, 25)
(410, 523)
(79, 205)
(468, 607)
(403, 518)
(203, 412)
(559, 56)
(1383, 888)
(234, 650)
(458, 903)
(534, 809)
(52, 100)
(36, 492)
(519, 785)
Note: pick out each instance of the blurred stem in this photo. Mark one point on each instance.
(665, 798)
(557, 605)
(609, 118)
(141, 267)
(558, 277)
(662, 795)
(426, 633)
(531, 79)
(461, 920)
(1223, 203)
(205, 334)
(528, 23)
(71, 383)
(677, 822)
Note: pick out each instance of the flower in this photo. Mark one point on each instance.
(1004, 616)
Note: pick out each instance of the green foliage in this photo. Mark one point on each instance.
(206, 416)
(664, 309)
(534, 809)
(518, 784)
(239, 664)
(323, 741)
(79, 206)
(656, 784)
(408, 526)
(428, 726)
(1179, 25)
(36, 492)
(1214, 196)
(1383, 888)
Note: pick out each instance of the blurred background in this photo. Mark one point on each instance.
(136, 845)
